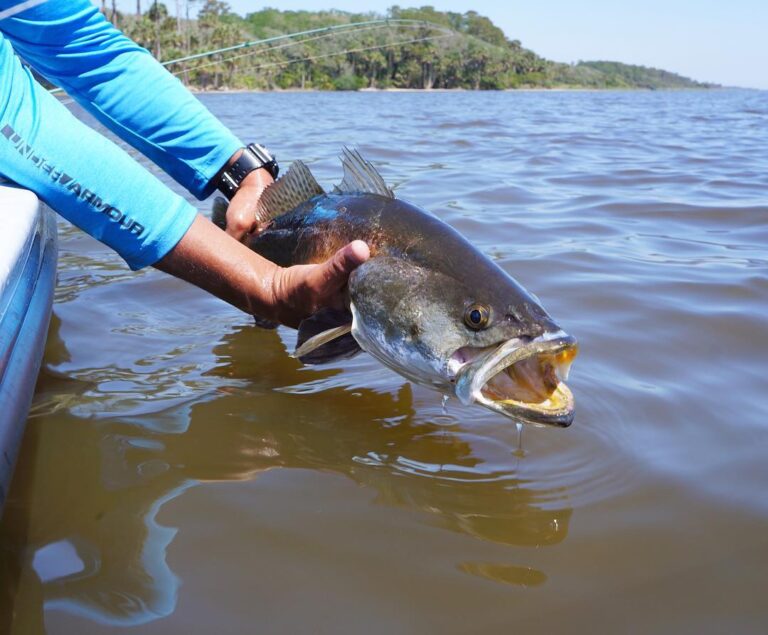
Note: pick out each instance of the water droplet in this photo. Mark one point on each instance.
(519, 450)
(443, 404)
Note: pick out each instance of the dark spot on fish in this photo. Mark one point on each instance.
(414, 330)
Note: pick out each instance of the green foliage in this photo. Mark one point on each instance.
(617, 75)
(348, 82)
(157, 11)
(641, 76)
(476, 54)
(214, 9)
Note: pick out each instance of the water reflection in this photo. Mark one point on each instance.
(99, 550)
(507, 574)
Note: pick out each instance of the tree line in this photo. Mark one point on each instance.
(464, 50)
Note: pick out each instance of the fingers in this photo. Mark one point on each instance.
(241, 214)
(359, 251)
(240, 221)
(324, 283)
(336, 270)
(301, 290)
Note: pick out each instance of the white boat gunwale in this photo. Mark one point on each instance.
(28, 255)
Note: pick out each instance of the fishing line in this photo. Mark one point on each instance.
(336, 27)
(326, 31)
(18, 8)
(358, 50)
(287, 45)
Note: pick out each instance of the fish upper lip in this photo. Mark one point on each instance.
(472, 376)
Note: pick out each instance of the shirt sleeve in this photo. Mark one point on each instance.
(81, 174)
(73, 45)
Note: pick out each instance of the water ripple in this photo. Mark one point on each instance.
(639, 219)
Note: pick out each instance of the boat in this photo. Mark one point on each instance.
(28, 254)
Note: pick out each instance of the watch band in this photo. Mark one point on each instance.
(252, 158)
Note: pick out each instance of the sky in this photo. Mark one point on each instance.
(722, 41)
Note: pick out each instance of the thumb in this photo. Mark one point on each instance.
(334, 272)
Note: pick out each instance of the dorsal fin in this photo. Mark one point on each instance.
(360, 176)
(287, 193)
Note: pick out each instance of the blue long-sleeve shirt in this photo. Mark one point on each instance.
(78, 172)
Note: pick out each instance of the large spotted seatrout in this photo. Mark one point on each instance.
(427, 304)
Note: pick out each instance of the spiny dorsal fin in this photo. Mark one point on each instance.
(360, 176)
(287, 193)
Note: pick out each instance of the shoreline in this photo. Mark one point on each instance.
(557, 89)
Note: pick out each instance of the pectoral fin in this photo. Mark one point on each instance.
(326, 337)
(321, 339)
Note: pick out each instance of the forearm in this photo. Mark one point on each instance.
(124, 87)
(97, 186)
(213, 261)
(81, 174)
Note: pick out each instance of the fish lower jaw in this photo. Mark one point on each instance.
(557, 409)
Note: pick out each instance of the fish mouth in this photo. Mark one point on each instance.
(521, 380)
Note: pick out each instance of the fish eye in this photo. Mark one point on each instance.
(477, 316)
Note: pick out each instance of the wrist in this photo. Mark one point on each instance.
(263, 296)
(241, 165)
(258, 179)
(280, 301)
(211, 260)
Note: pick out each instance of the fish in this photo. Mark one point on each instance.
(427, 303)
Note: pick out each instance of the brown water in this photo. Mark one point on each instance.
(182, 474)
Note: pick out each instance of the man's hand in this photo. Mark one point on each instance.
(302, 290)
(210, 259)
(241, 213)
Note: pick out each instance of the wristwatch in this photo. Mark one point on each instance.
(252, 158)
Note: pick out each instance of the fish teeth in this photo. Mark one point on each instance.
(562, 364)
(562, 370)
